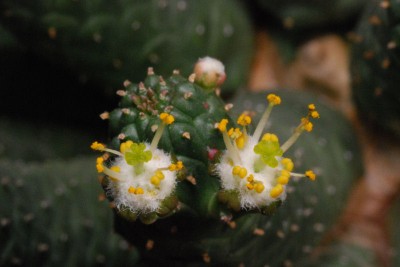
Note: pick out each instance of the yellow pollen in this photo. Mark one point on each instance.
(274, 99)
(287, 164)
(99, 160)
(250, 186)
(314, 114)
(234, 133)
(155, 180)
(167, 118)
(276, 191)
(259, 187)
(270, 137)
(139, 191)
(240, 141)
(159, 175)
(308, 126)
(99, 167)
(242, 173)
(250, 178)
(311, 107)
(283, 180)
(244, 120)
(311, 175)
(236, 170)
(97, 146)
(131, 190)
(172, 167)
(125, 145)
(115, 168)
(179, 165)
(222, 125)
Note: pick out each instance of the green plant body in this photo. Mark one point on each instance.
(375, 65)
(106, 41)
(200, 229)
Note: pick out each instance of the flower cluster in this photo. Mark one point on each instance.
(254, 165)
(141, 176)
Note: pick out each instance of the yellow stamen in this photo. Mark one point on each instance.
(236, 170)
(155, 180)
(274, 99)
(311, 175)
(125, 145)
(259, 187)
(115, 168)
(172, 167)
(99, 167)
(250, 186)
(308, 126)
(222, 125)
(139, 191)
(287, 164)
(244, 120)
(314, 114)
(179, 165)
(131, 190)
(250, 178)
(276, 191)
(283, 179)
(167, 118)
(240, 141)
(159, 175)
(311, 107)
(242, 173)
(97, 146)
(99, 160)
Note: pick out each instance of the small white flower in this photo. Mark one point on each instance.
(256, 169)
(141, 176)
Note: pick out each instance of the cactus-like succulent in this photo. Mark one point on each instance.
(52, 215)
(375, 67)
(207, 218)
(104, 42)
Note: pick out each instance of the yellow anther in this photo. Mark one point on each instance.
(242, 173)
(139, 191)
(314, 114)
(234, 133)
(276, 191)
(270, 137)
(159, 175)
(99, 167)
(285, 173)
(240, 141)
(308, 126)
(259, 187)
(311, 107)
(172, 167)
(222, 125)
(244, 120)
(236, 170)
(250, 178)
(250, 186)
(179, 165)
(97, 146)
(131, 190)
(287, 164)
(155, 180)
(283, 180)
(99, 160)
(116, 168)
(167, 118)
(311, 175)
(125, 145)
(274, 99)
